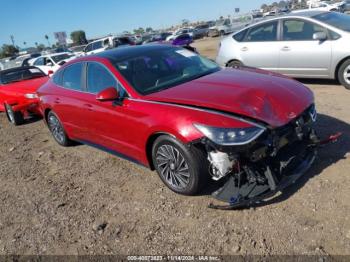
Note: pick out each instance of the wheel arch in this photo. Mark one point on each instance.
(149, 144)
(233, 60)
(336, 71)
(46, 113)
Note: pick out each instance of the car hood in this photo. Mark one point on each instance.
(30, 85)
(253, 93)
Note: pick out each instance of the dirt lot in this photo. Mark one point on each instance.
(79, 200)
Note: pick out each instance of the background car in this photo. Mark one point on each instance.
(103, 44)
(180, 31)
(222, 27)
(179, 113)
(18, 96)
(345, 7)
(77, 50)
(201, 31)
(310, 45)
(182, 40)
(52, 62)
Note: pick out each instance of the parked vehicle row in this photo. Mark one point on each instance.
(311, 44)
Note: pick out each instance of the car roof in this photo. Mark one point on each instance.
(122, 53)
(301, 14)
(306, 13)
(54, 54)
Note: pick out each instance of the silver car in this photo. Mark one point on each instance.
(312, 44)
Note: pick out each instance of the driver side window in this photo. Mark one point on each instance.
(266, 32)
(99, 78)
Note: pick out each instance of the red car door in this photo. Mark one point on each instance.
(69, 101)
(109, 125)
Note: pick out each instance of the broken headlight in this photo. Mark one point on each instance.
(230, 136)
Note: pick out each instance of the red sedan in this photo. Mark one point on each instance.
(18, 96)
(174, 111)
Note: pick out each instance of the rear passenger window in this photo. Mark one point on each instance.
(299, 30)
(72, 75)
(98, 78)
(57, 77)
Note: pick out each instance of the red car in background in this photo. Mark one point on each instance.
(18, 96)
(174, 111)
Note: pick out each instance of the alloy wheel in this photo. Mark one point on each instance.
(347, 75)
(10, 113)
(56, 129)
(173, 166)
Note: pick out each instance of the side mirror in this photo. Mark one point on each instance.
(108, 94)
(50, 72)
(321, 36)
(49, 64)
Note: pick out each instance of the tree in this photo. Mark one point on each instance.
(139, 31)
(185, 22)
(40, 47)
(282, 4)
(47, 39)
(78, 37)
(8, 51)
(264, 7)
(149, 29)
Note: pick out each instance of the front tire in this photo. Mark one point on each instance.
(235, 64)
(344, 74)
(15, 118)
(181, 169)
(57, 130)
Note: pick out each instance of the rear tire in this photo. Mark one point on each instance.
(57, 130)
(235, 64)
(182, 169)
(344, 74)
(15, 118)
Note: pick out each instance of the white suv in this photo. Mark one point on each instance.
(103, 44)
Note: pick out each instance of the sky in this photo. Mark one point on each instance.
(31, 20)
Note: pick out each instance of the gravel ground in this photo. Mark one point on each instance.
(79, 200)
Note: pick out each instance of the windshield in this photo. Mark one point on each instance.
(20, 75)
(335, 19)
(157, 70)
(57, 58)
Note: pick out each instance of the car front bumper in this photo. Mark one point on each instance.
(235, 200)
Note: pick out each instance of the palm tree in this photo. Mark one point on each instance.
(47, 39)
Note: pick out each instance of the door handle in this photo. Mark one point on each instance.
(286, 48)
(57, 101)
(244, 49)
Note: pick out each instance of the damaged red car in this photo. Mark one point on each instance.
(193, 122)
(18, 98)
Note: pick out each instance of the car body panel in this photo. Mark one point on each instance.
(268, 95)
